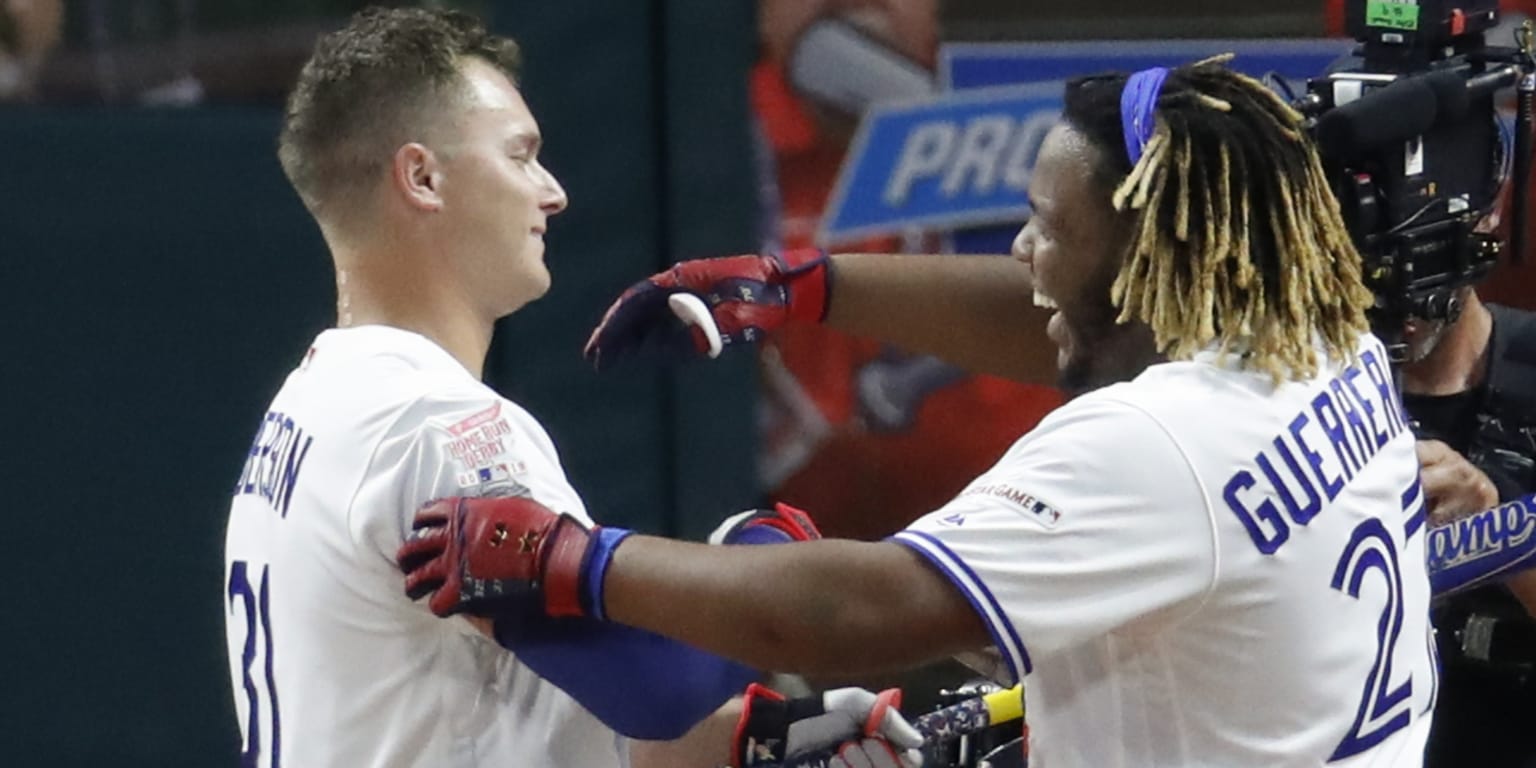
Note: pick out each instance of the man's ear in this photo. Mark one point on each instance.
(416, 174)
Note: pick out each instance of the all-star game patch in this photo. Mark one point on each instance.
(1037, 509)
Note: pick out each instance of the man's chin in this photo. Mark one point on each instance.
(1077, 378)
(524, 293)
(1120, 354)
(1423, 341)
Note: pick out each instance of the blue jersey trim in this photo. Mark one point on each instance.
(1413, 503)
(975, 591)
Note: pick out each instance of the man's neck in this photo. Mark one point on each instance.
(385, 291)
(1459, 361)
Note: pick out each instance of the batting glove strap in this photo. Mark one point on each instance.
(595, 569)
(807, 281)
(762, 732)
(575, 560)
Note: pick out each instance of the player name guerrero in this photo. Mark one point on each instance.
(1354, 416)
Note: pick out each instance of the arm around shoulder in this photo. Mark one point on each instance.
(826, 607)
(975, 312)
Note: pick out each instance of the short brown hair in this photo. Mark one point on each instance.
(362, 93)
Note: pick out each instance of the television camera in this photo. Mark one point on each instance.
(1409, 132)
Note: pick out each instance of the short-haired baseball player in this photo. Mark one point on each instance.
(409, 142)
(1219, 562)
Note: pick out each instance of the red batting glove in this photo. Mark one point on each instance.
(482, 556)
(781, 524)
(747, 296)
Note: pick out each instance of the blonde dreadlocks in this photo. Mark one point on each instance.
(1236, 239)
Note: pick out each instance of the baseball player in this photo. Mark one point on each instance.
(409, 142)
(1219, 562)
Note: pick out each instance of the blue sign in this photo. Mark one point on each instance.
(961, 160)
(965, 66)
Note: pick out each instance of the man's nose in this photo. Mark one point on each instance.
(552, 199)
(1023, 248)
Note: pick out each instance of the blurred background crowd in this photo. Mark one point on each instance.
(184, 52)
(161, 52)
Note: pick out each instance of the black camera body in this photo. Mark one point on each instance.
(1408, 37)
(1409, 135)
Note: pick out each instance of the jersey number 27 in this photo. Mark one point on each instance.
(1384, 707)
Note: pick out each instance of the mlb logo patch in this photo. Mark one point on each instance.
(493, 474)
(495, 480)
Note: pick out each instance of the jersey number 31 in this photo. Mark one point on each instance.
(253, 601)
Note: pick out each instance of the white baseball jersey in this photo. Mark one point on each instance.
(332, 665)
(1198, 569)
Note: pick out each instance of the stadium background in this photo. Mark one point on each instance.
(159, 279)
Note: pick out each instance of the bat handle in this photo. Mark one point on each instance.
(956, 720)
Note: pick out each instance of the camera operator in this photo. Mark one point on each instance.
(1470, 386)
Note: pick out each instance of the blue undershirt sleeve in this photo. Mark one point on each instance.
(638, 683)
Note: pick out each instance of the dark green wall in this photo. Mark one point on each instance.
(158, 280)
(645, 122)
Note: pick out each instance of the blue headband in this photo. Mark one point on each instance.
(1137, 103)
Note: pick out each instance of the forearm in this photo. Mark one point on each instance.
(1523, 587)
(976, 312)
(819, 608)
(1523, 584)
